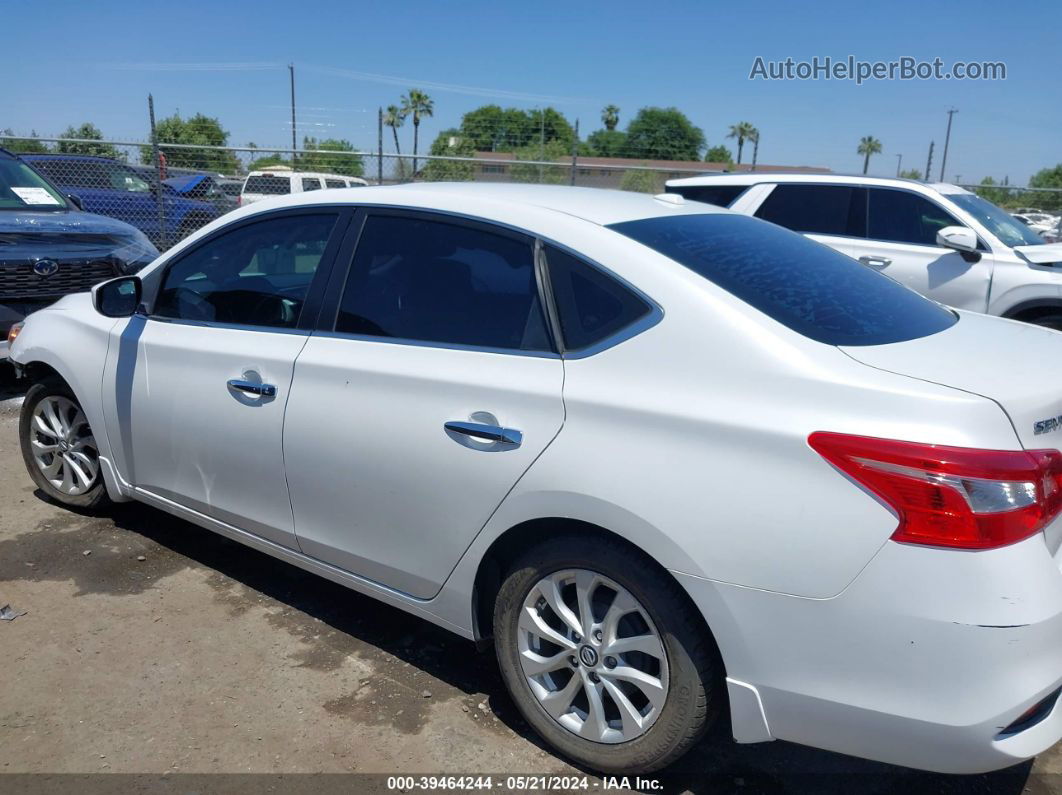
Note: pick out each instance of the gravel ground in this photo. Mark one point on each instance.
(151, 646)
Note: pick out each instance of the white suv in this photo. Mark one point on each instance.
(676, 462)
(282, 180)
(941, 240)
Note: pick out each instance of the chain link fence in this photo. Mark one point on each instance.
(169, 190)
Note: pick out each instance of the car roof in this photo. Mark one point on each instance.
(496, 201)
(265, 172)
(755, 177)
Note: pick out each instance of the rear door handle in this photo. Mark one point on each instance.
(876, 261)
(251, 388)
(488, 433)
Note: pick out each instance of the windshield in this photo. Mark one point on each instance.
(809, 287)
(998, 221)
(23, 188)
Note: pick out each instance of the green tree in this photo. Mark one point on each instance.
(664, 134)
(394, 118)
(330, 156)
(610, 117)
(911, 173)
(743, 131)
(546, 125)
(606, 143)
(23, 146)
(450, 143)
(88, 130)
(718, 154)
(552, 152)
(868, 145)
(642, 180)
(417, 104)
(200, 131)
(275, 159)
(491, 128)
(1048, 178)
(988, 190)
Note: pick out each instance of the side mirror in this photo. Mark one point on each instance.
(118, 297)
(75, 200)
(960, 238)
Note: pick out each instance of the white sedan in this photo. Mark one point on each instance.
(677, 462)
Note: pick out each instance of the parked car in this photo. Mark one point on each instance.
(941, 240)
(49, 247)
(204, 187)
(282, 180)
(115, 189)
(677, 462)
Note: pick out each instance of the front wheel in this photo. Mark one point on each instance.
(58, 447)
(603, 655)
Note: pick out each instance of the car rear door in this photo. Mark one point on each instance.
(198, 388)
(901, 242)
(431, 389)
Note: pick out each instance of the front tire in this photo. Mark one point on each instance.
(603, 656)
(58, 447)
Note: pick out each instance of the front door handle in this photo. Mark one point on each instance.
(488, 433)
(251, 388)
(876, 261)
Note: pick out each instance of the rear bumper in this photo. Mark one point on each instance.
(923, 661)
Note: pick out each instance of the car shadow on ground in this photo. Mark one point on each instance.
(370, 629)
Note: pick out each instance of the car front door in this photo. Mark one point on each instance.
(901, 242)
(199, 385)
(432, 388)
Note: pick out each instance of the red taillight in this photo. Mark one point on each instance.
(952, 496)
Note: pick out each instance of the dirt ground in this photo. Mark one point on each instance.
(151, 646)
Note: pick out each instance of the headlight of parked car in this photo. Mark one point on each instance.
(135, 251)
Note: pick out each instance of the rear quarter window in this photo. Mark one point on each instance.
(719, 195)
(267, 184)
(804, 285)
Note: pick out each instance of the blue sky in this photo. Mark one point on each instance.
(98, 61)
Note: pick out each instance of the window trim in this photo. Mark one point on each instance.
(311, 305)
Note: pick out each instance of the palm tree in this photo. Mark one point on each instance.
(394, 118)
(743, 131)
(416, 104)
(610, 117)
(868, 145)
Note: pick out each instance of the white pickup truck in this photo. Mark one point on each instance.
(939, 239)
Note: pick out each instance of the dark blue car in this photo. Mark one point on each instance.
(108, 187)
(50, 248)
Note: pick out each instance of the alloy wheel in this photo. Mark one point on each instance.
(63, 446)
(592, 656)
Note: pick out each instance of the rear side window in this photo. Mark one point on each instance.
(268, 184)
(335, 183)
(719, 195)
(311, 183)
(817, 209)
(591, 305)
(437, 282)
(804, 285)
(900, 216)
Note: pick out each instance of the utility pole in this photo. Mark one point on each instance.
(947, 137)
(899, 162)
(929, 161)
(291, 72)
(157, 157)
(575, 151)
(379, 146)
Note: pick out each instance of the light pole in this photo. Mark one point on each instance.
(291, 71)
(947, 137)
(899, 162)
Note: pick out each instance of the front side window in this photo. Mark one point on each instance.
(255, 275)
(900, 216)
(817, 209)
(439, 282)
(591, 305)
(814, 290)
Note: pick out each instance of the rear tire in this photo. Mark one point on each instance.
(649, 685)
(59, 449)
